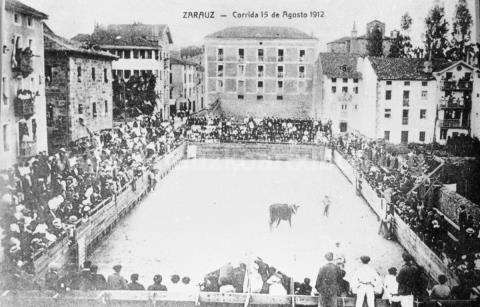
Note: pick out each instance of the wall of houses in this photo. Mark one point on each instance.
(237, 84)
(22, 34)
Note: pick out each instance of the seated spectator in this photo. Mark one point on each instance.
(116, 281)
(440, 291)
(157, 284)
(304, 288)
(187, 286)
(98, 281)
(175, 286)
(275, 286)
(134, 285)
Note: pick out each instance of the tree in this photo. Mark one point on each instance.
(135, 96)
(436, 43)
(461, 49)
(375, 43)
(401, 46)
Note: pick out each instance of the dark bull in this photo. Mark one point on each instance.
(279, 212)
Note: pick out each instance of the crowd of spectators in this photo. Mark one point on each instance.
(45, 197)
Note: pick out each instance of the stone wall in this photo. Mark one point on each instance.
(259, 151)
(449, 203)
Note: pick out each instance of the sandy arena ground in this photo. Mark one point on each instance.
(208, 212)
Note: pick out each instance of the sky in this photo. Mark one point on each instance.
(70, 17)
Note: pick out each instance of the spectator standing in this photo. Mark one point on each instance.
(390, 285)
(327, 282)
(116, 281)
(98, 281)
(406, 278)
(365, 279)
(305, 288)
(157, 284)
(440, 291)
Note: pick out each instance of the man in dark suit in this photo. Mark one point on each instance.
(327, 283)
(407, 276)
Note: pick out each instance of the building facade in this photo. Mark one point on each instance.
(22, 107)
(140, 49)
(184, 86)
(339, 85)
(356, 44)
(261, 71)
(78, 89)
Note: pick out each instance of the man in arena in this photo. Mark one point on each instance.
(364, 282)
(326, 205)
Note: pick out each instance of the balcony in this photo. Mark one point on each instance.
(406, 102)
(404, 120)
(27, 149)
(457, 86)
(452, 123)
(24, 108)
(280, 58)
(280, 74)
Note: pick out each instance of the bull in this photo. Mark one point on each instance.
(279, 212)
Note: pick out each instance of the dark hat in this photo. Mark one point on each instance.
(134, 276)
(365, 259)
(117, 267)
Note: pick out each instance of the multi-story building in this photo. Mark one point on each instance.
(261, 71)
(183, 90)
(199, 79)
(22, 105)
(78, 89)
(338, 87)
(358, 44)
(474, 7)
(141, 49)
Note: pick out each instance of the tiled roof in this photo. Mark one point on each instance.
(17, 6)
(256, 32)
(53, 42)
(178, 61)
(348, 38)
(404, 68)
(136, 34)
(339, 65)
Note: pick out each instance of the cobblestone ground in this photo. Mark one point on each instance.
(208, 212)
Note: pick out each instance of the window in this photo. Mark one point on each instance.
(389, 82)
(157, 55)
(5, 137)
(280, 71)
(334, 80)
(93, 73)
(343, 127)
(29, 21)
(280, 84)
(424, 95)
(404, 137)
(259, 97)
(355, 80)
(260, 71)
(345, 80)
(301, 55)
(421, 136)
(260, 85)
(355, 89)
(105, 107)
(219, 54)
(260, 55)
(148, 54)
(240, 86)
(127, 54)
(406, 83)
(241, 70)
(345, 89)
(280, 55)
(240, 97)
(301, 71)
(406, 98)
(4, 91)
(142, 54)
(388, 113)
(94, 110)
(127, 73)
(219, 85)
(423, 113)
(388, 95)
(135, 54)
(105, 75)
(279, 97)
(405, 117)
(334, 89)
(241, 54)
(30, 43)
(386, 135)
(16, 18)
(443, 134)
(80, 108)
(424, 83)
(219, 71)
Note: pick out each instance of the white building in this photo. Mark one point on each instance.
(141, 48)
(22, 105)
(338, 86)
(183, 90)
